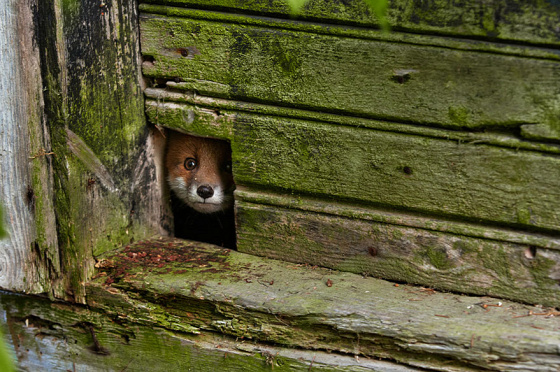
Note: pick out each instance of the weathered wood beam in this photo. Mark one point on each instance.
(62, 337)
(355, 32)
(386, 80)
(380, 244)
(528, 21)
(100, 170)
(162, 110)
(29, 256)
(181, 284)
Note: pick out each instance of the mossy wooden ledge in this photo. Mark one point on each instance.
(214, 289)
(59, 336)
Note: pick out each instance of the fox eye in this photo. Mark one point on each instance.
(190, 163)
(227, 167)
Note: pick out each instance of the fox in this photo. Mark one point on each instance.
(199, 175)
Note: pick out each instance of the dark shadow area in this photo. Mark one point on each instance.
(215, 228)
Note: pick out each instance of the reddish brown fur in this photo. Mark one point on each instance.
(211, 156)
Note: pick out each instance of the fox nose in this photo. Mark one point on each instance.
(205, 191)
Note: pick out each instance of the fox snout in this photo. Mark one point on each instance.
(205, 191)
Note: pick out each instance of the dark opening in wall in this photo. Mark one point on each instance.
(199, 175)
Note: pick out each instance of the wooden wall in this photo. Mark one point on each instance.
(427, 155)
(77, 164)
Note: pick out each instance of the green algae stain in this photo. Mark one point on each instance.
(523, 215)
(288, 60)
(438, 258)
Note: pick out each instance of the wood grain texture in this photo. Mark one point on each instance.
(355, 211)
(14, 253)
(275, 302)
(29, 255)
(463, 180)
(533, 21)
(164, 107)
(105, 189)
(383, 249)
(384, 80)
(367, 33)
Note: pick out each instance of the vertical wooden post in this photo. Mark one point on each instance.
(78, 176)
(31, 250)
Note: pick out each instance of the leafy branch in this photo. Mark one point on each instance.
(378, 7)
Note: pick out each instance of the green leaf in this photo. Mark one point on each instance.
(379, 8)
(296, 5)
(6, 364)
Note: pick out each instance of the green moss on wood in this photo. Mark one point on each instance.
(94, 108)
(444, 178)
(76, 337)
(192, 119)
(438, 260)
(287, 67)
(276, 302)
(526, 21)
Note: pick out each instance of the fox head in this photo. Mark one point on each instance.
(199, 171)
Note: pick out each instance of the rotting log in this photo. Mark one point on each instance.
(179, 284)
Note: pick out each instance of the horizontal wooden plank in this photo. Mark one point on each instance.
(59, 337)
(469, 181)
(438, 177)
(530, 21)
(384, 80)
(212, 116)
(356, 32)
(386, 250)
(267, 300)
(359, 212)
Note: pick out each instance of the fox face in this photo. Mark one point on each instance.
(199, 171)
